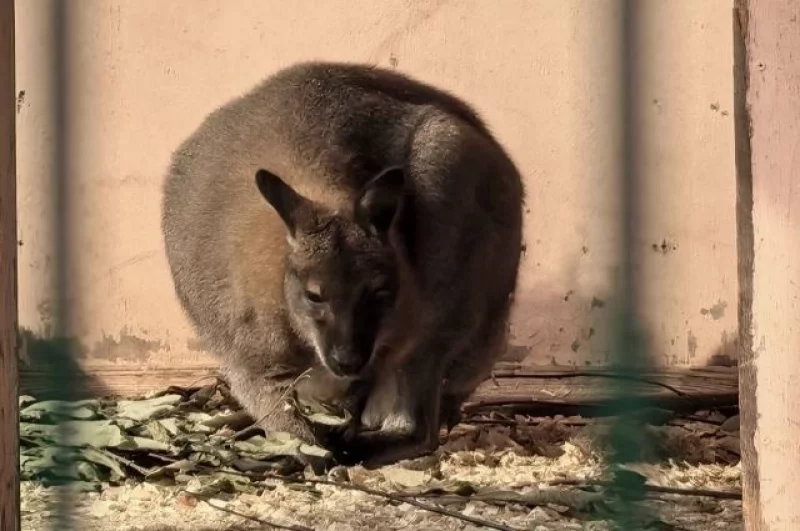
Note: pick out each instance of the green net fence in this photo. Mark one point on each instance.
(628, 348)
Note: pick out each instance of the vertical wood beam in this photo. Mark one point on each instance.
(9, 410)
(768, 170)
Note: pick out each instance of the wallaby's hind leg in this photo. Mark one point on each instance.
(265, 400)
(451, 410)
(470, 369)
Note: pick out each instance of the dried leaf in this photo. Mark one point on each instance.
(403, 477)
(327, 419)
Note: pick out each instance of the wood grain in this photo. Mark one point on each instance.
(769, 41)
(9, 417)
(540, 389)
(745, 254)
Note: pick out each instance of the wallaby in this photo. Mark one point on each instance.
(352, 220)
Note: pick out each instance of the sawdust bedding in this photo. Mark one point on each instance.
(175, 461)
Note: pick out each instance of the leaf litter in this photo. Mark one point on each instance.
(178, 460)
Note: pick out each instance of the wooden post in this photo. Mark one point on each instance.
(9, 417)
(768, 166)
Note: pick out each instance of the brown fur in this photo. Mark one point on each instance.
(383, 246)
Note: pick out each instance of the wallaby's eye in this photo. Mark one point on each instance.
(314, 297)
(383, 294)
(381, 290)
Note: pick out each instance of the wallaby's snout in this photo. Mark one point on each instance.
(343, 361)
(352, 341)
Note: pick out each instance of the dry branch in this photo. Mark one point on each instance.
(707, 493)
(262, 521)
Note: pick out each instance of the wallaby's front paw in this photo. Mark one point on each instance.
(381, 449)
(451, 414)
(389, 422)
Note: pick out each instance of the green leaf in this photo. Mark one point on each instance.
(235, 420)
(170, 424)
(147, 409)
(276, 445)
(209, 487)
(68, 464)
(156, 430)
(53, 409)
(24, 400)
(198, 417)
(328, 420)
(315, 451)
(95, 433)
(37, 463)
(104, 459)
(143, 443)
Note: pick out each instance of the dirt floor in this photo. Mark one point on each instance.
(529, 474)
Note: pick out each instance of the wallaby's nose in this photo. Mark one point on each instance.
(345, 362)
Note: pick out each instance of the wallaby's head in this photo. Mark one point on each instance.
(341, 274)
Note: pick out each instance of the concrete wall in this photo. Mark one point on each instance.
(144, 73)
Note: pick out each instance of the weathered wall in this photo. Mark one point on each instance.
(145, 72)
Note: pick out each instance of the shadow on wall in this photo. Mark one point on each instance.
(561, 328)
(727, 353)
(49, 368)
(570, 328)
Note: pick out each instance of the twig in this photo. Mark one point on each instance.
(719, 494)
(510, 422)
(577, 374)
(577, 500)
(596, 407)
(277, 403)
(399, 499)
(207, 501)
(127, 462)
(202, 378)
(696, 418)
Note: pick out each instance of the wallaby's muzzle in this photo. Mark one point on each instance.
(345, 361)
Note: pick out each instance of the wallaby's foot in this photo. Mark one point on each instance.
(375, 449)
(451, 414)
(286, 421)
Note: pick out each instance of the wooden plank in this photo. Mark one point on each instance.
(9, 414)
(529, 387)
(119, 381)
(102, 380)
(768, 153)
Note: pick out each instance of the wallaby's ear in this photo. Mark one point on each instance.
(380, 201)
(286, 202)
